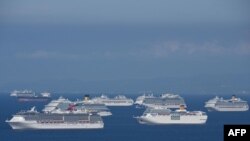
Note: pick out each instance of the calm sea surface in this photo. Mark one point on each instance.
(121, 126)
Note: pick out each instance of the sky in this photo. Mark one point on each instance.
(194, 46)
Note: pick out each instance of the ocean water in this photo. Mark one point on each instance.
(121, 126)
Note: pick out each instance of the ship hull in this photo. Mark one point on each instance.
(117, 101)
(168, 120)
(228, 109)
(118, 104)
(139, 102)
(35, 125)
(166, 106)
(104, 113)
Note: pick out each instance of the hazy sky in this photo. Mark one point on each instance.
(99, 40)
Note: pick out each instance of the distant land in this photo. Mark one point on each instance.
(212, 84)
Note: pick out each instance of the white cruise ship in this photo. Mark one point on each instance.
(165, 100)
(54, 103)
(64, 106)
(26, 93)
(220, 104)
(34, 120)
(166, 116)
(119, 100)
(139, 100)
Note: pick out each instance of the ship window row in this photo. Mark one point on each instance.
(221, 106)
(51, 121)
(116, 102)
(56, 122)
(162, 102)
(234, 104)
(154, 114)
(179, 114)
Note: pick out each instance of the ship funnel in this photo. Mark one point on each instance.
(86, 98)
(234, 97)
(182, 107)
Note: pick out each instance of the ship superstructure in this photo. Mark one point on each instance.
(165, 100)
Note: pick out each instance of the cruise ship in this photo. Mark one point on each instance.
(28, 95)
(22, 93)
(220, 104)
(119, 100)
(52, 105)
(34, 120)
(65, 106)
(166, 116)
(139, 100)
(165, 100)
